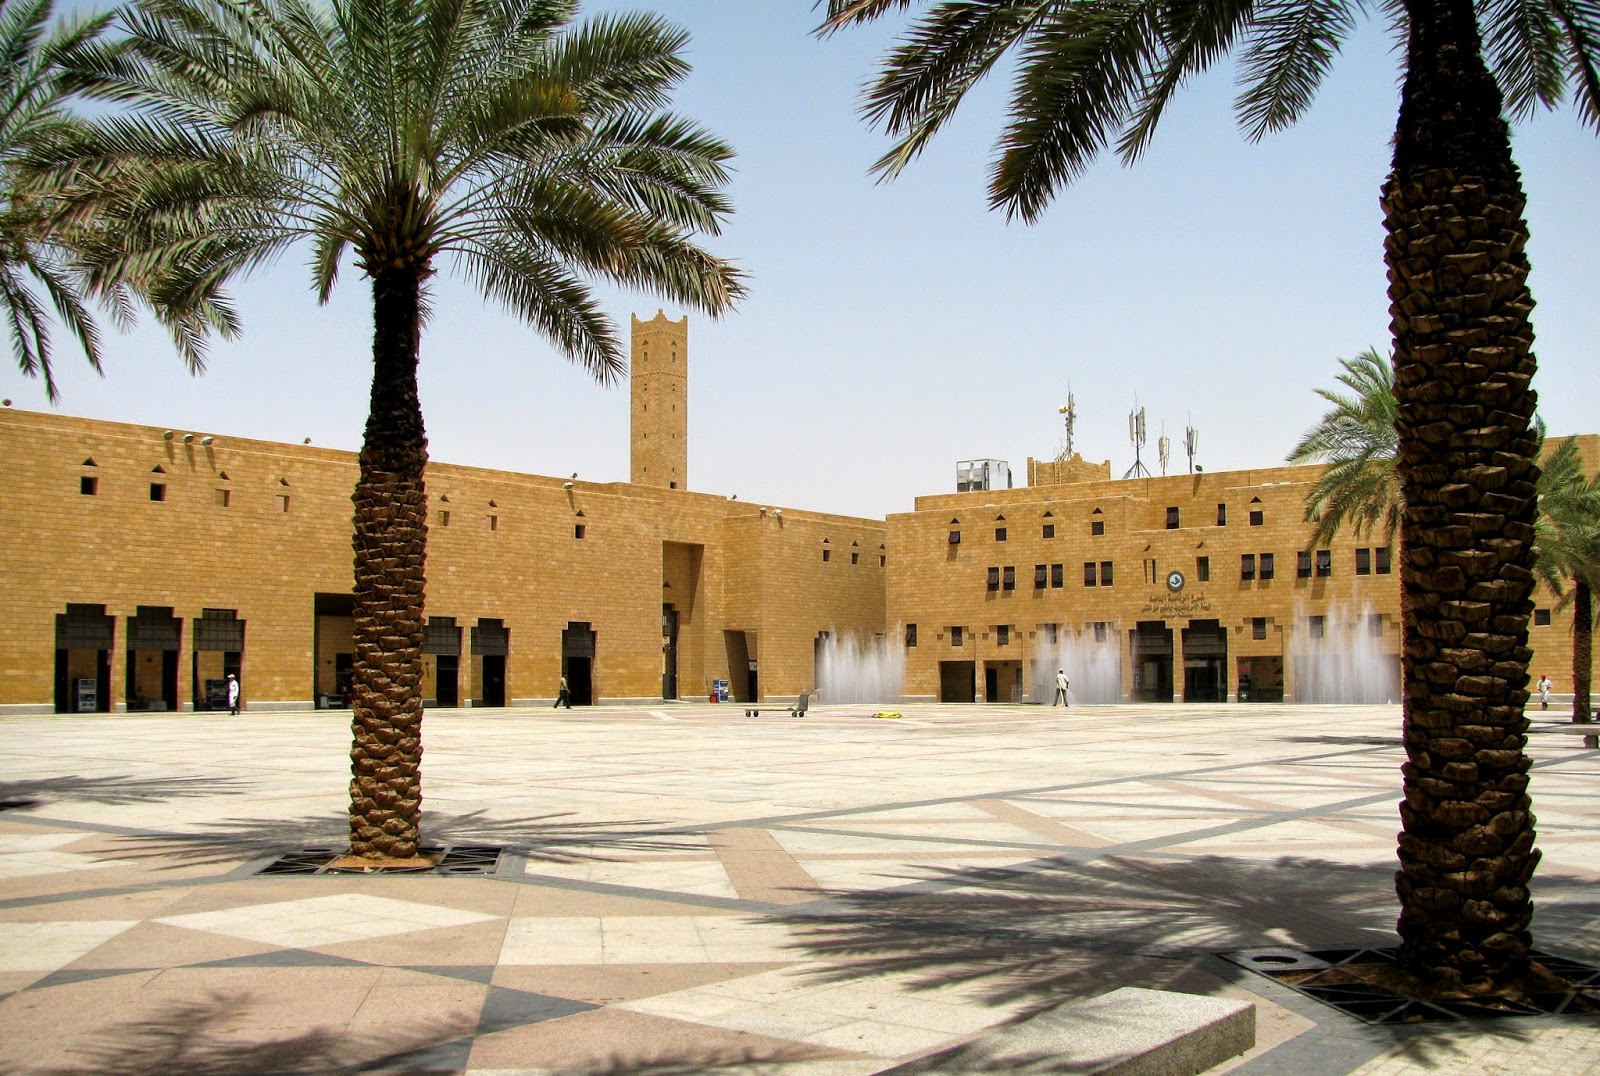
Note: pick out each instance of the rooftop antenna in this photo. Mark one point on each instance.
(1191, 444)
(1069, 414)
(1164, 448)
(1136, 435)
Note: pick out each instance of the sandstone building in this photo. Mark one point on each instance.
(144, 564)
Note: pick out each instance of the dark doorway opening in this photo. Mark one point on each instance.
(218, 652)
(577, 661)
(491, 645)
(958, 681)
(334, 646)
(1205, 662)
(151, 676)
(441, 662)
(494, 680)
(447, 680)
(1152, 661)
(669, 651)
(84, 635)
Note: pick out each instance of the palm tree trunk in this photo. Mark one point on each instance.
(1459, 308)
(1582, 650)
(391, 532)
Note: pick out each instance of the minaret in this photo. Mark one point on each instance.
(660, 390)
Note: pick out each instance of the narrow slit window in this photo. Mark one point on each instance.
(282, 501)
(88, 486)
(1105, 573)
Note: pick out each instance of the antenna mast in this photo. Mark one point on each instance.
(1164, 449)
(1191, 444)
(1070, 414)
(1136, 435)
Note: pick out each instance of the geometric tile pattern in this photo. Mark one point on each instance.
(828, 895)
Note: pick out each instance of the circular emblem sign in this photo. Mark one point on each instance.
(1174, 581)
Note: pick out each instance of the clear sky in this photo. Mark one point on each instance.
(893, 329)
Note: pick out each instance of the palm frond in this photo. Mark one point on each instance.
(1291, 46)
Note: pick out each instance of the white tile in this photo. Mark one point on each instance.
(325, 920)
(48, 946)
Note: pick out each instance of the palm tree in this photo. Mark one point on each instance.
(1568, 547)
(1356, 439)
(32, 112)
(1093, 72)
(530, 152)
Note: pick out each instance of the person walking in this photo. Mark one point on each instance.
(233, 694)
(1061, 688)
(1543, 687)
(564, 696)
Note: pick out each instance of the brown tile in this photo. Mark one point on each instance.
(157, 945)
(142, 904)
(610, 1040)
(41, 1025)
(760, 868)
(419, 1009)
(471, 943)
(605, 983)
(12, 981)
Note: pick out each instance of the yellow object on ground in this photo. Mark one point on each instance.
(887, 713)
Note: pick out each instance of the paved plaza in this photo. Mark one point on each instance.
(689, 889)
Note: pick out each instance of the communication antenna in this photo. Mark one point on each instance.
(1164, 449)
(1069, 414)
(1191, 444)
(1136, 435)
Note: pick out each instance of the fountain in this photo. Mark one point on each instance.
(1094, 668)
(1346, 665)
(849, 669)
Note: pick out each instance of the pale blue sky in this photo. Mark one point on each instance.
(895, 329)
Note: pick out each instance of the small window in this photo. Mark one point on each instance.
(1257, 517)
(1002, 635)
(1363, 562)
(1101, 630)
(224, 498)
(1375, 624)
(494, 523)
(1097, 527)
(1324, 563)
(955, 636)
(855, 558)
(955, 537)
(444, 517)
(1258, 627)
(999, 534)
(88, 485)
(827, 554)
(1090, 579)
(158, 491)
(1302, 564)
(1541, 618)
(882, 560)
(1266, 561)
(994, 578)
(1049, 530)
(1202, 569)
(1380, 557)
(1051, 632)
(1105, 573)
(1172, 519)
(911, 635)
(282, 500)
(1010, 581)
(1040, 576)
(1318, 626)
(579, 530)
(1057, 576)
(1222, 515)
(1247, 566)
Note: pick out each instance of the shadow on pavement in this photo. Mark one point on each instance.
(123, 789)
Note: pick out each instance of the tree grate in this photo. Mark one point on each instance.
(1334, 977)
(455, 860)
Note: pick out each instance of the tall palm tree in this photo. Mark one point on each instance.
(1568, 548)
(32, 112)
(1095, 72)
(1356, 439)
(530, 152)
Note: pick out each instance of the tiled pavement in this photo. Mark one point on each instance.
(693, 890)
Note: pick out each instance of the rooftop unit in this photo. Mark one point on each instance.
(974, 475)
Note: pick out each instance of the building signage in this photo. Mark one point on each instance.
(1176, 605)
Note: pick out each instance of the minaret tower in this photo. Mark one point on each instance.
(660, 389)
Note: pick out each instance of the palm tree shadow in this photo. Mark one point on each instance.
(120, 790)
(545, 838)
(1038, 936)
(197, 1038)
